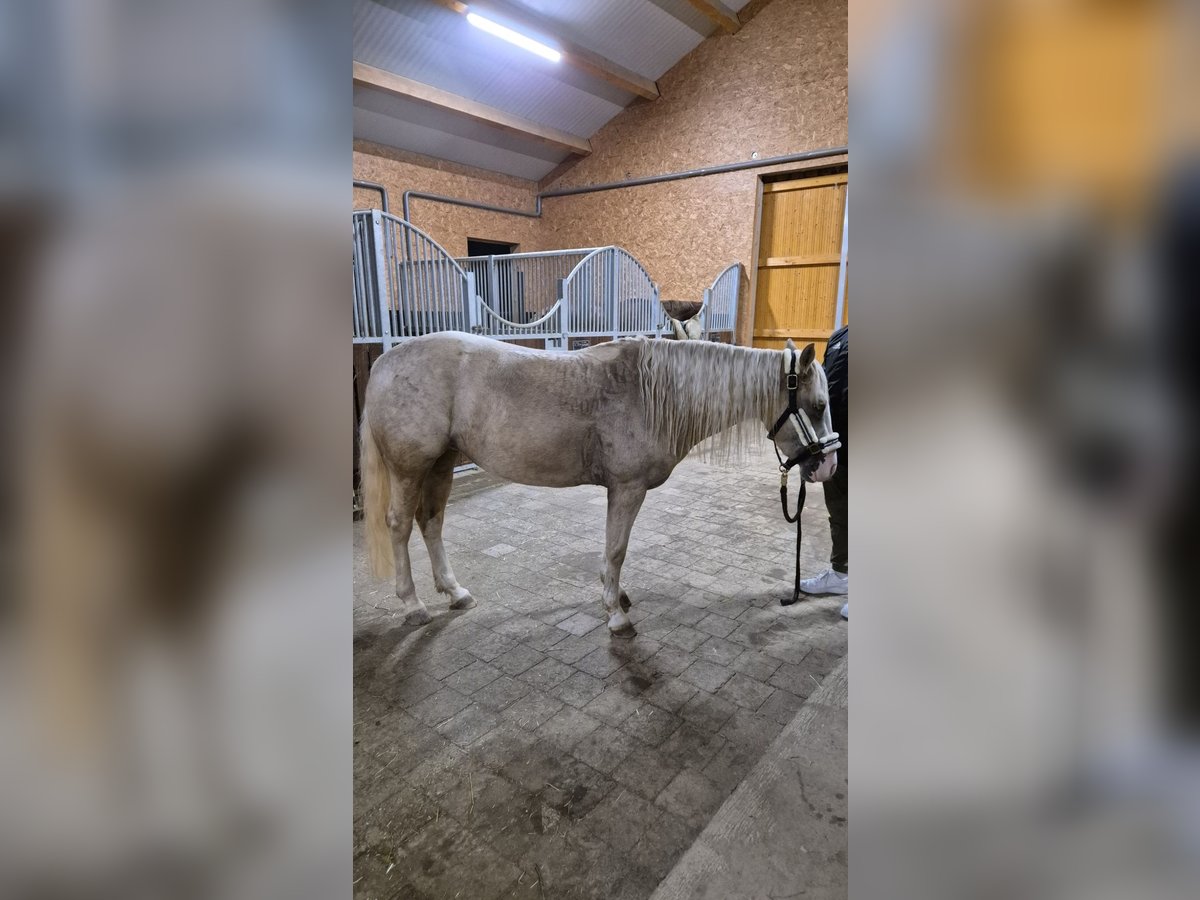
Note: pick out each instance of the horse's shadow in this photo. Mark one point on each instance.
(391, 649)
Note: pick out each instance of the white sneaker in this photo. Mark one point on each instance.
(846, 611)
(829, 582)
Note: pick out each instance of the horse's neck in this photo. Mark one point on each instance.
(704, 419)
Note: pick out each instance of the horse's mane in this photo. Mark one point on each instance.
(691, 389)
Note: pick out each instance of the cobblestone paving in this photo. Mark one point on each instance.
(516, 749)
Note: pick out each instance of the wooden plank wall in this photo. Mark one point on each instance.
(799, 256)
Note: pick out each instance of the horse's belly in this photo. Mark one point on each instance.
(529, 455)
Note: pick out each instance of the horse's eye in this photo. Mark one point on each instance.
(820, 407)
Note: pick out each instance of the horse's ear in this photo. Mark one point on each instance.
(789, 345)
(807, 356)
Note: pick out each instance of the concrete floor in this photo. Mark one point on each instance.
(516, 750)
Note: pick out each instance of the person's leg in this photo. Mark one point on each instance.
(835, 503)
(835, 580)
(838, 364)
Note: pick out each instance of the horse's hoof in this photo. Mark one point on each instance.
(463, 602)
(418, 617)
(620, 626)
(625, 601)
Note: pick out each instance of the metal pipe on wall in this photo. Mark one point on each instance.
(700, 172)
(630, 182)
(458, 201)
(375, 186)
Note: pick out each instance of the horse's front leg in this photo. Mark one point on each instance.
(624, 501)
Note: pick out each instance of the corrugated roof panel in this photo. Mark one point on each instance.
(636, 34)
(432, 45)
(429, 43)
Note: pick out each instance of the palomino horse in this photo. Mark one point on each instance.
(622, 414)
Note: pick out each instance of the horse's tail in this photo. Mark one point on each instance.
(376, 491)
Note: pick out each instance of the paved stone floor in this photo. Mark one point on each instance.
(516, 749)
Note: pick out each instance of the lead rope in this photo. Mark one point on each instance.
(793, 407)
(783, 478)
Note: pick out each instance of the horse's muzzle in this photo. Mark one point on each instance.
(824, 469)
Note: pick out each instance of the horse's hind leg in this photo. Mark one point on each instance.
(625, 601)
(406, 495)
(430, 516)
(624, 501)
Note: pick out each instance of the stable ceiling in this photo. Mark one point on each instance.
(427, 81)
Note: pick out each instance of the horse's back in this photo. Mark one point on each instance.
(414, 387)
(425, 360)
(531, 416)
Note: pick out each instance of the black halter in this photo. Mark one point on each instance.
(812, 450)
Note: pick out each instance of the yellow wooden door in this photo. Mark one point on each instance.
(799, 259)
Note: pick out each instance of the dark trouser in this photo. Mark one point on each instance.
(1178, 240)
(836, 366)
(835, 502)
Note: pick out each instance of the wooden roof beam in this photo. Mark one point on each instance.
(725, 18)
(399, 86)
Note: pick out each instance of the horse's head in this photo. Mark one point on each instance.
(812, 397)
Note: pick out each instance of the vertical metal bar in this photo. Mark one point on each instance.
(412, 272)
(356, 271)
(364, 276)
(453, 308)
(382, 292)
(426, 288)
(435, 274)
(397, 259)
(444, 293)
(432, 282)
(402, 265)
(613, 292)
(729, 323)
(396, 312)
(401, 290)
(438, 271)
(416, 274)
(596, 287)
(473, 311)
(599, 293)
(494, 287)
(841, 291)
(412, 300)
(563, 323)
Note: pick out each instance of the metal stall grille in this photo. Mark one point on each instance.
(609, 294)
(719, 313)
(519, 294)
(405, 284)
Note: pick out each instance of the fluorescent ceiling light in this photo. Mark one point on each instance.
(513, 37)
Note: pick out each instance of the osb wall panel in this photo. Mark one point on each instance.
(778, 85)
(450, 226)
